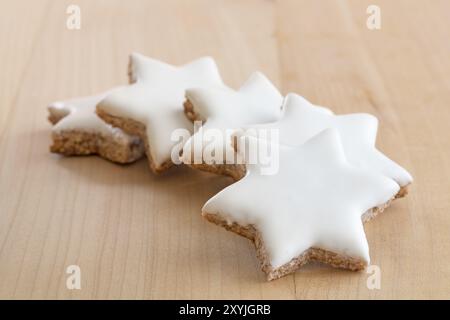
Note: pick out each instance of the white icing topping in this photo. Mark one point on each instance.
(79, 114)
(315, 200)
(302, 120)
(257, 101)
(156, 98)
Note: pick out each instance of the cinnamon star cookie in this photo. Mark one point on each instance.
(302, 120)
(78, 130)
(152, 106)
(223, 110)
(311, 210)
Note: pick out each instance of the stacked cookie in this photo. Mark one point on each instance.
(321, 177)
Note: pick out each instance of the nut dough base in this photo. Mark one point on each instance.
(118, 147)
(138, 129)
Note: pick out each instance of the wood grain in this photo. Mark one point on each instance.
(135, 235)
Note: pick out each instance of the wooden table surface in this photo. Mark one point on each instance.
(135, 235)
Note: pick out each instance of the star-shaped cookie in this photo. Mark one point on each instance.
(302, 120)
(78, 130)
(152, 106)
(311, 210)
(223, 110)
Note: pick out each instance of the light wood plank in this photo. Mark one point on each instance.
(135, 235)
